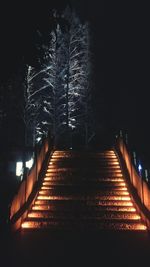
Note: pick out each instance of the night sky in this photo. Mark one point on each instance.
(120, 41)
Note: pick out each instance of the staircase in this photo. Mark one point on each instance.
(83, 191)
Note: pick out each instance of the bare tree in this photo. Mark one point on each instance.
(58, 95)
(75, 76)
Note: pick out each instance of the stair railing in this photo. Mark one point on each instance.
(139, 187)
(27, 192)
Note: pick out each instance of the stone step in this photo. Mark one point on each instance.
(54, 191)
(84, 225)
(80, 207)
(76, 214)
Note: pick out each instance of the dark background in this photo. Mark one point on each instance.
(120, 49)
(121, 65)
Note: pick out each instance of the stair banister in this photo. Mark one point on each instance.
(28, 187)
(139, 186)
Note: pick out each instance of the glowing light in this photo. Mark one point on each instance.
(137, 226)
(110, 158)
(126, 226)
(26, 225)
(48, 179)
(124, 188)
(142, 227)
(118, 175)
(38, 139)
(115, 171)
(48, 197)
(46, 188)
(120, 208)
(46, 183)
(38, 224)
(38, 215)
(122, 184)
(19, 168)
(54, 169)
(114, 163)
(111, 180)
(122, 216)
(53, 159)
(116, 203)
(121, 192)
(44, 192)
(115, 198)
(43, 207)
(49, 175)
(49, 183)
(29, 163)
(136, 217)
(139, 167)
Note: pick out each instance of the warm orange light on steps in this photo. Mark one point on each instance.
(45, 190)
(115, 203)
(117, 226)
(111, 179)
(110, 204)
(103, 198)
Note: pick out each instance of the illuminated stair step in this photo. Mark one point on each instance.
(101, 186)
(88, 214)
(89, 201)
(82, 206)
(80, 179)
(68, 186)
(82, 162)
(81, 197)
(90, 191)
(100, 225)
(75, 170)
(81, 219)
(94, 169)
(110, 180)
(79, 161)
(78, 166)
(101, 164)
(69, 181)
(101, 168)
(82, 153)
(74, 185)
(85, 159)
(98, 184)
(104, 159)
(116, 203)
(83, 173)
(79, 190)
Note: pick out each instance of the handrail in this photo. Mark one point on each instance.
(139, 186)
(28, 187)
